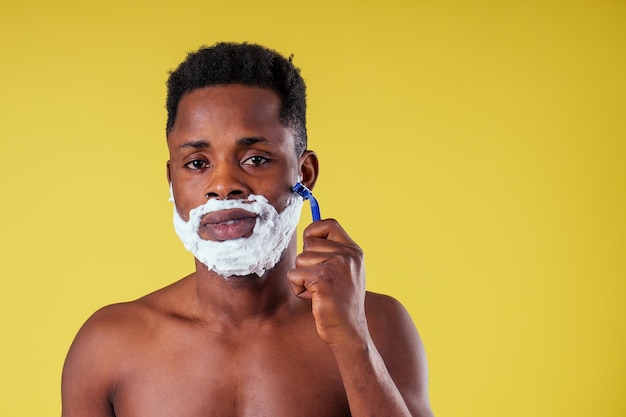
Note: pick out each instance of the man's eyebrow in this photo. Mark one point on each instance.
(203, 144)
(197, 144)
(251, 140)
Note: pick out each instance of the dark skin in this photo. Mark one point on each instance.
(305, 339)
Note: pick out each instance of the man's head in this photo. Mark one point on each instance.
(247, 64)
(237, 143)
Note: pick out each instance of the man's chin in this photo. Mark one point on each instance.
(248, 278)
(245, 259)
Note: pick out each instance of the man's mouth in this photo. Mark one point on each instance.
(227, 224)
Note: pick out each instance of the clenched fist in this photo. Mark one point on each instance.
(330, 272)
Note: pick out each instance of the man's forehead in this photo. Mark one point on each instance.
(235, 104)
(246, 114)
(231, 97)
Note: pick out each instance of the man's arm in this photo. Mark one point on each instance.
(88, 371)
(396, 359)
(386, 378)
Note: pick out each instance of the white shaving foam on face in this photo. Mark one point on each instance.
(245, 255)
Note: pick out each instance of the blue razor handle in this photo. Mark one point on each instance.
(305, 193)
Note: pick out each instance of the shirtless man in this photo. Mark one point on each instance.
(258, 329)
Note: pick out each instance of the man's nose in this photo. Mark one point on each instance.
(225, 181)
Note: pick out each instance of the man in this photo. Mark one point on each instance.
(257, 329)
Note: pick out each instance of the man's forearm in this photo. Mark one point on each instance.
(369, 387)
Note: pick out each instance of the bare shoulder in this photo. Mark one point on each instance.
(111, 325)
(89, 373)
(101, 346)
(115, 322)
(105, 335)
(387, 317)
(111, 329)
(399, 343)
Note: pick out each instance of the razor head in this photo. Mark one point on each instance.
(302, 190)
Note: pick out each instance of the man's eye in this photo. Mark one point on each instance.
(196, 164)
(255, 161)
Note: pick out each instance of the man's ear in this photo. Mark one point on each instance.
(309, 169)
(169, 174)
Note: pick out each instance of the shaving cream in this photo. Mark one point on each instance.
(255, 254)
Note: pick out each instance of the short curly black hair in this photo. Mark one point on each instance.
(248, 64)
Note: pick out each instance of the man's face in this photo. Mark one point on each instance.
(228, 142)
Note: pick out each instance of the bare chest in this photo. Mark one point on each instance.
(285, 375)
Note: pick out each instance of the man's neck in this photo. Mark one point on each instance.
(238, 301)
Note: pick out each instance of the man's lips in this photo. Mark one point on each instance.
(228, 224)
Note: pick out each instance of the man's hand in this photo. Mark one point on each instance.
(330, 272)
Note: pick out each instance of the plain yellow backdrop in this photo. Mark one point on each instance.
(475, 150)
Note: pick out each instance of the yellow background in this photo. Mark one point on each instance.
(475, 150)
